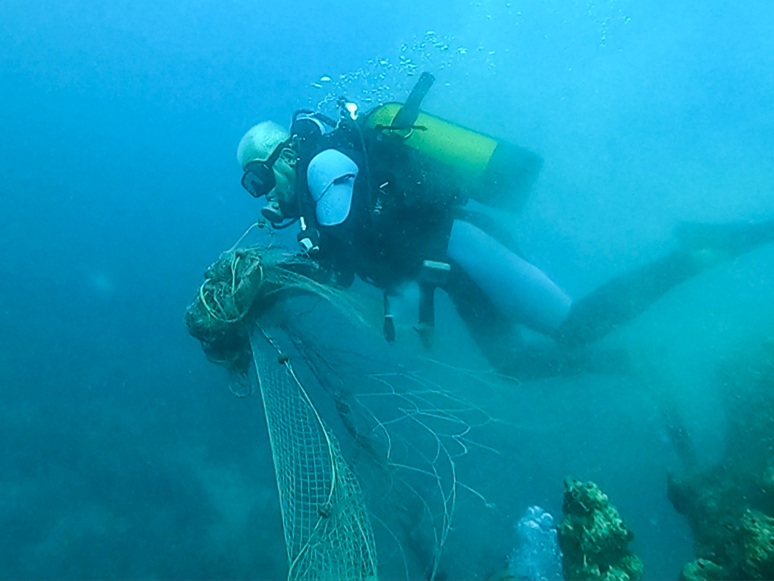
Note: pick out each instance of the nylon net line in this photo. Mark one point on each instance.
(328, 533)
(338, 404)
(408, 435)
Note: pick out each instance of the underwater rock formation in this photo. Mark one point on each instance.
(593, 537)
(757, 539)
(729, 506)
(702, 570)
(748, 554)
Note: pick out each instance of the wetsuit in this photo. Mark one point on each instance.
(382, 216)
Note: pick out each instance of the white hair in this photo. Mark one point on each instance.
(260, 141)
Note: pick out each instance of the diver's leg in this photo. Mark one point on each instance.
(623, 298)
(493, 289)
(520, 291)
(496, 336)
(491, 222)
(723, 241)
(500, 340)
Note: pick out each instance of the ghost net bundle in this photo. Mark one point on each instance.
(399, 432)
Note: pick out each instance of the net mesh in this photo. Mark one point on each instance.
(328, 533)
(403, 433)
(408, 435)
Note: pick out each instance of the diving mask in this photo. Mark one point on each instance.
(259, 178)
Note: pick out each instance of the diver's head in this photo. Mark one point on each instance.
(269, 162)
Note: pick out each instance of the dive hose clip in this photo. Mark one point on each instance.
(308, 238)
(432, 275)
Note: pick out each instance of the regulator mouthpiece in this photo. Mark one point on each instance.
(272, 212)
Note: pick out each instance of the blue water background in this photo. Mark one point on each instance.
(123, 454)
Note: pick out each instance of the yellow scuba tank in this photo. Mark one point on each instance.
(494, 172)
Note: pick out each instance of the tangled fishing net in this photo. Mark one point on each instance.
(402, 434)
(240, 287)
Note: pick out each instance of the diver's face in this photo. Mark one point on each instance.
(284, 191)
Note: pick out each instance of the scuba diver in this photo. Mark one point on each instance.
(399, 195)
